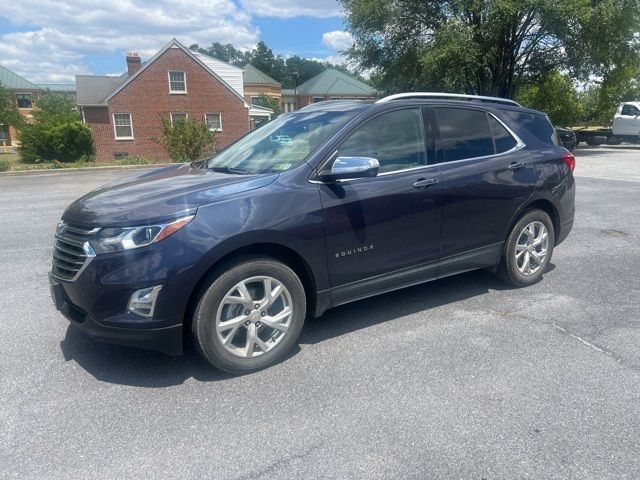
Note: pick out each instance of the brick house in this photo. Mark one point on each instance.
(24, 94)
(330, 84)
(125, 112)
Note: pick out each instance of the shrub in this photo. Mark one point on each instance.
(187, 140)
(5, 166)
(56, 134)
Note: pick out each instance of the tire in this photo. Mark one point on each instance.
(514, 271)
(225, 300)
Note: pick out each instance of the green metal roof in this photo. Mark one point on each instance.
(252, 75)
(58, 87)
(13, 81)
(334, 82)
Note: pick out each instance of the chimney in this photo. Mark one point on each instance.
(133, 62)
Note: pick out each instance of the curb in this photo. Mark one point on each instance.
(107, 168)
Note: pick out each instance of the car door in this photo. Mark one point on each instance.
(486, 175)
(379, 225)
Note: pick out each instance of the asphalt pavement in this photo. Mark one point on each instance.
(461, 378)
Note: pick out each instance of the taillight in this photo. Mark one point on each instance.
(570, 160)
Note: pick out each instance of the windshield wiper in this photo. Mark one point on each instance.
(232, 170)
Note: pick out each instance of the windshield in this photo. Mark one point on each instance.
(282, 144)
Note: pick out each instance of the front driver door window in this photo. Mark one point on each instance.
(382, 224)
(396, 139)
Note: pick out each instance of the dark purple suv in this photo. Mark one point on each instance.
(322, 206)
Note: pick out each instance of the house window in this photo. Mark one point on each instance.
(214, 121)
(176, 117)
(335, 98)
(24, 100)
(177, 82)
(318, 99)
(254, 100)
(122, 126)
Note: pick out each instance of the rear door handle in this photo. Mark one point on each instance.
(516, 166)
(425, 182)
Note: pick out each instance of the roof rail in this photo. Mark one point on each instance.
(400, 96)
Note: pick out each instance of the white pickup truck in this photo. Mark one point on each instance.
(626, 127)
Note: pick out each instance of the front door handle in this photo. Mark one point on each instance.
(516, 166)
(425, 182)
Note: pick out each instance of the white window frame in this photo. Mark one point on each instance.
(219, 116)
(178, 92)
(115, 132)
(186, 115)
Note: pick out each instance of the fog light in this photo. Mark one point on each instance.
(143, 302)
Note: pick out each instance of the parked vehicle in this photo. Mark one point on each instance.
(360, 199)
(626, 128)
(567, 138)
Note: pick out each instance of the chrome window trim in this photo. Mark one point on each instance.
(518, 146)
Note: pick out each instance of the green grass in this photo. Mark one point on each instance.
(11, 162)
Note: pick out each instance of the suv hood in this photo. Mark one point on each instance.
(158, 195)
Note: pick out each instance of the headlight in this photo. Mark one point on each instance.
(115, 239)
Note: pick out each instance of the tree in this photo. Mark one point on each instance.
(265, 100)
(556, 95)
(290, 72)
(57, 132)
(187, 140)
(9, 114)
(488, 47)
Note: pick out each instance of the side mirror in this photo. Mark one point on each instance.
(345, 168)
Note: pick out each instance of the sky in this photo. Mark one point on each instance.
(53, 40)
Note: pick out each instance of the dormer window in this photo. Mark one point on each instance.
(177, 82)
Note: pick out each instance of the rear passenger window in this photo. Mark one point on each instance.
(464, 133)
(503, 139)
(396, 139)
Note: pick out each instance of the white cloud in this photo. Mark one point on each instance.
(337, 40)
(292, 8)
(69, 30)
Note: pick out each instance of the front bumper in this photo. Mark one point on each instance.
(167, 340)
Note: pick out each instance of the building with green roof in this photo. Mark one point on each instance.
(256, 82)
(24, 93)
(331, 84)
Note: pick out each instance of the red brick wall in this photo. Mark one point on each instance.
(147, 99)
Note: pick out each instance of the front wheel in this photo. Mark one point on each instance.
(528, 250)
(250, 316)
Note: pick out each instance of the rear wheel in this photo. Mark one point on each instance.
(528, 249)
(250, 316)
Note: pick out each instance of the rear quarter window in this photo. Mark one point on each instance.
(538, 124)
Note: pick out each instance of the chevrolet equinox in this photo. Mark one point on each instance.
(335, 202)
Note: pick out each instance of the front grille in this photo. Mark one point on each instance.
(71, 251)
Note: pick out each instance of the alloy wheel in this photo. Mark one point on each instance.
(254, 316)
(531, 248)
